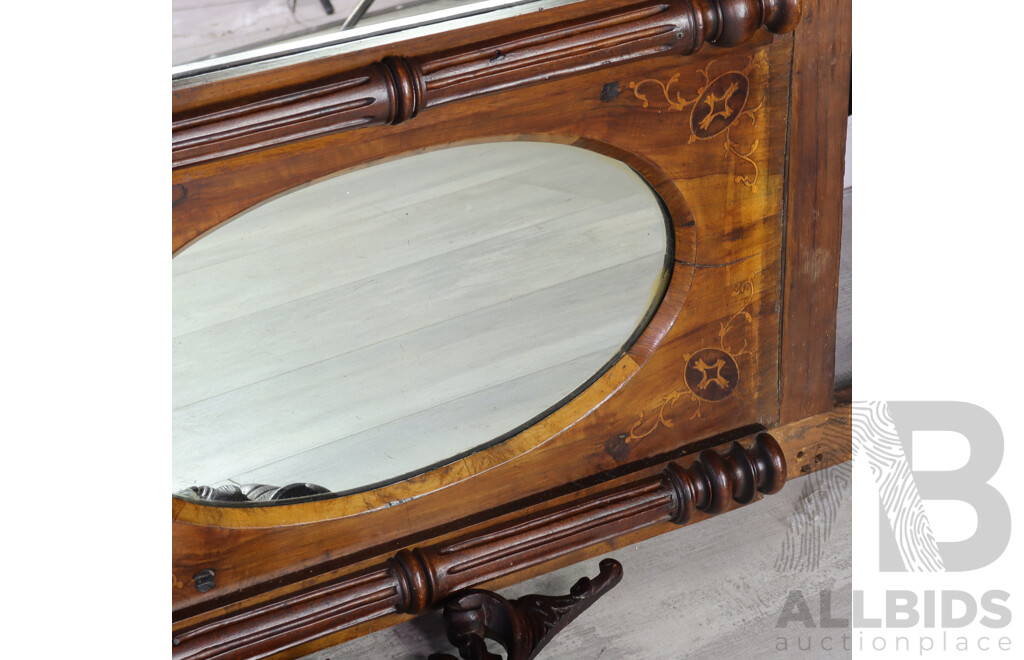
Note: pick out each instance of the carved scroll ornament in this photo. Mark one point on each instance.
(397, 89)
(416, 579)
(522, 626)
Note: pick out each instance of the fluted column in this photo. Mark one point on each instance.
(398, 89)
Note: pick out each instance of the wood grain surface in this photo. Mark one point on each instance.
(821, 97)
(398, 88)
(812, 445)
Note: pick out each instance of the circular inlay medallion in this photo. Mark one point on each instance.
(711, 374)
(720, 105)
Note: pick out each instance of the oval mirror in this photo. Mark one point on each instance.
(369, 326)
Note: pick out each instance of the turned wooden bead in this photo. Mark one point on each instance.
(781, 16)
(717, 479)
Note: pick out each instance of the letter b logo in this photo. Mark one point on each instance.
(882, 434)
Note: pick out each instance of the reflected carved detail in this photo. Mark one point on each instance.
(419, 578)
(710, 374)
(715, 109)
(522, 626)
(397, 89)
(251, 492)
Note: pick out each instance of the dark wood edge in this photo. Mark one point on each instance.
(396, 89)
(814, 208)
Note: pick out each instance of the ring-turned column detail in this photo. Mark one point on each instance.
(397, 89)
(416, 579)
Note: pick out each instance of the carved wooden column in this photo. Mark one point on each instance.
(418, 578)
(397, 89)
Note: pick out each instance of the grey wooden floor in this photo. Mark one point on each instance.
(710, 591)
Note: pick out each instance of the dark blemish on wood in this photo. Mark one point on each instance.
(817, 459)
(800, 454)
(736, 234)
(617, 447)
(610, 91)
(804, 469)
(178, 194)
(498, 56)
(729, 263)
(204, 580)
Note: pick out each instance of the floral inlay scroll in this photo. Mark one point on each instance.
(710, 374)
(715, 108)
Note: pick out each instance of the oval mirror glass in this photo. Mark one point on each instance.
(371, 325)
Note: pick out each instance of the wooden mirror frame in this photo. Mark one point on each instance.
(753, 188)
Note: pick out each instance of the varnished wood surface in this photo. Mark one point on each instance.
(711, 481)
(821, 95)
(809, 446)
(397, 88)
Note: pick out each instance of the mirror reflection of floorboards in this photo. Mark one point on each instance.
(376, 323)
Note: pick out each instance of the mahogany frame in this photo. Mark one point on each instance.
(754, 197)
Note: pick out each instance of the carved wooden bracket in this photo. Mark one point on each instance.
(415, 579)
(522, 626)
(397, 89)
